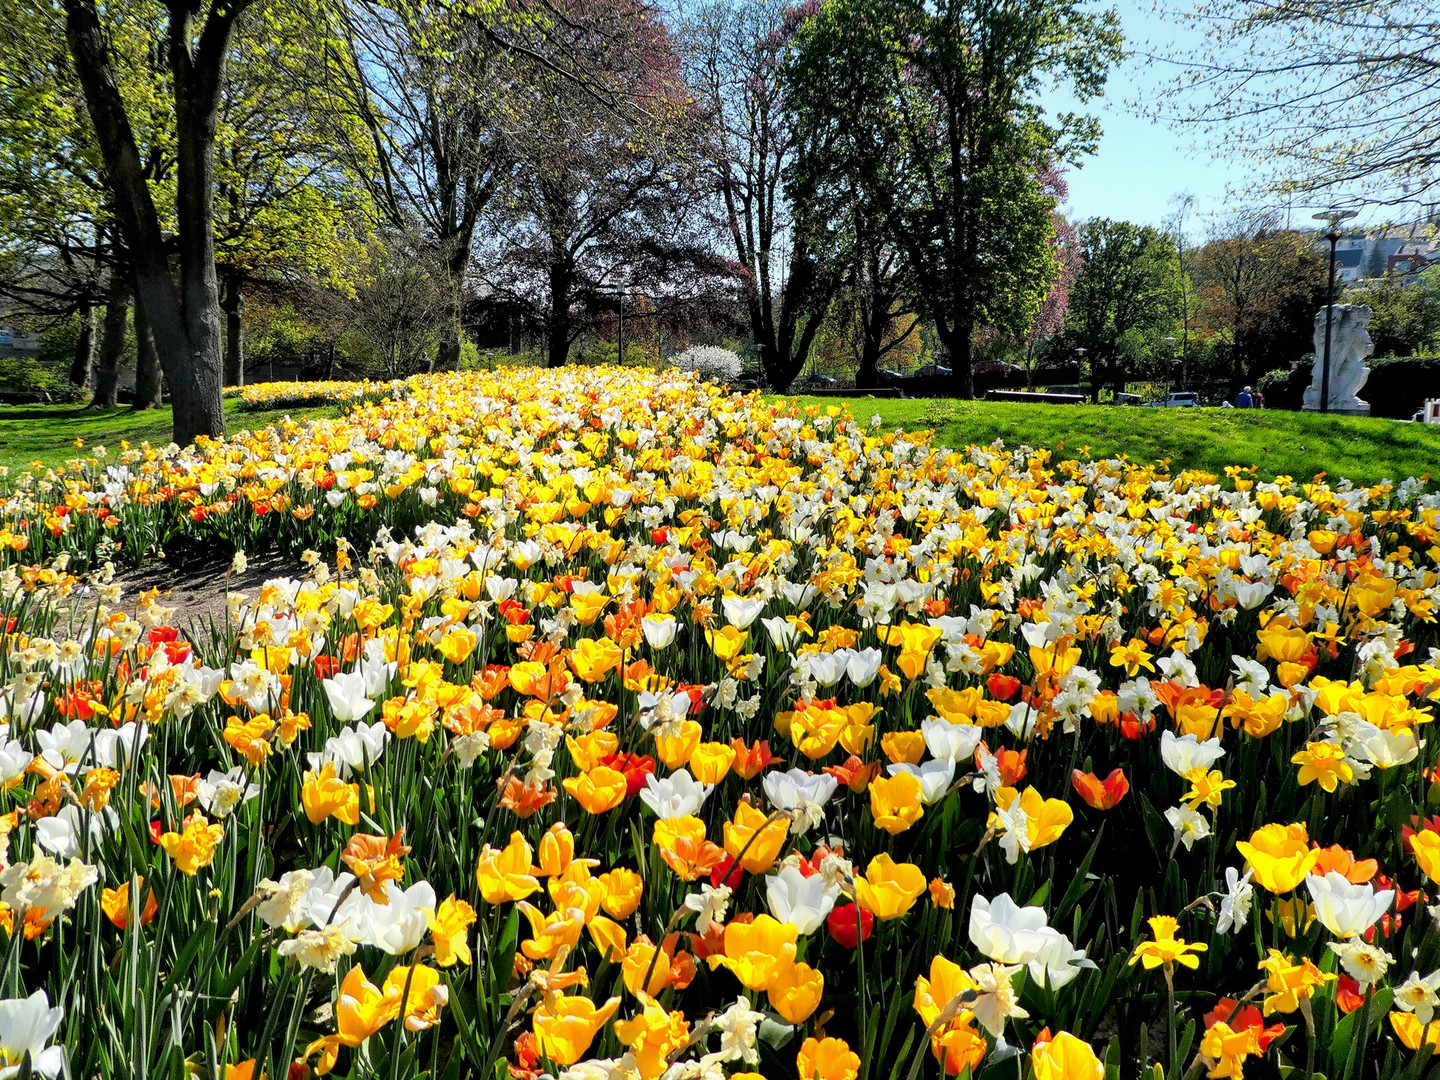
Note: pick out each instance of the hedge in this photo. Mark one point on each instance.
(1397, 386)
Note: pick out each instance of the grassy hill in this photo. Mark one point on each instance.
(1279, 443)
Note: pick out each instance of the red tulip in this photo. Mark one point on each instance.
(845, 928)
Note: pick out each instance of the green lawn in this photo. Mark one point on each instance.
(1296, 444)
(48, 432)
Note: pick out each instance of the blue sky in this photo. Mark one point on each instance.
(1143, 164)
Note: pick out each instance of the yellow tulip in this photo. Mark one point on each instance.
(1426, 846)
(593, 658)
(587, 751)
(458, 645)
(711, 762)
(508, 873)
(620, 892)
(895, 802)
(904, 746)
(1280, 855)
(827, 1059)
(755, 840)
(796, 993)
(641, 959)
(727, 642)
(324, 795)
(557, 850)
(565, 1026)
(1065, 1058)
(759, 952)
(889, 889)
(599, 790)
(675, 745)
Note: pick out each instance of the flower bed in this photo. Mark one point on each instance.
(623, 727)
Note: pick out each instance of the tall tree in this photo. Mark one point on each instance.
(429, 86)
(934, 111)
(1259, 287)
(788, 272)
(288, 203)
(182, 304)
(1405, 317)
(1123, 297)
(599, 198)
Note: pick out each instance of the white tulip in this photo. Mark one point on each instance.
(801, 901)
(1344, 908)
(346, 694)
(1006, 932)
(827, 668)
(800, 792)
(863, 666)
(741, 611)
(951, 742)
(659, 630)
(798, 594)
(1188, 752)
(26, 1025)
(782, 632)
(674, 796)
(1058, 961)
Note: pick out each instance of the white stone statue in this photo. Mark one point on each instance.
(1350, 344)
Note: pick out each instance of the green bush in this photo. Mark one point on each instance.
(1284, 388)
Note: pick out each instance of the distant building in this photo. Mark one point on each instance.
(15, 343)
(1403, 251)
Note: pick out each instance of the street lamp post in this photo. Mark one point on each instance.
(1170, 367)
(1080, 368)
(1332, 218)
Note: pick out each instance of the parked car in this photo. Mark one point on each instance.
(816, 382)
(997, 367)
(1128, 399)
(1178, 400)
(889, 377)
(933, 371)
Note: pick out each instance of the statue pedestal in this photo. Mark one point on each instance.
(1359, 408)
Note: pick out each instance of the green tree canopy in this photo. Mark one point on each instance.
(1124, 300)
(932, 111)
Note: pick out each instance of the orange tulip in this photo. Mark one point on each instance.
(1101, 794)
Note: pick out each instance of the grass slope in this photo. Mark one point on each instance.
(47, 433)
(1295, 444)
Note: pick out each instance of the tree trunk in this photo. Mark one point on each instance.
(867, 375)
(447, 357)
(84, 362)
(183, 309)
(233, 304)
(958, 344)
(147, 364)
(112, 342)
(558, 328)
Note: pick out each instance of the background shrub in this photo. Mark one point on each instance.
(711, 362)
